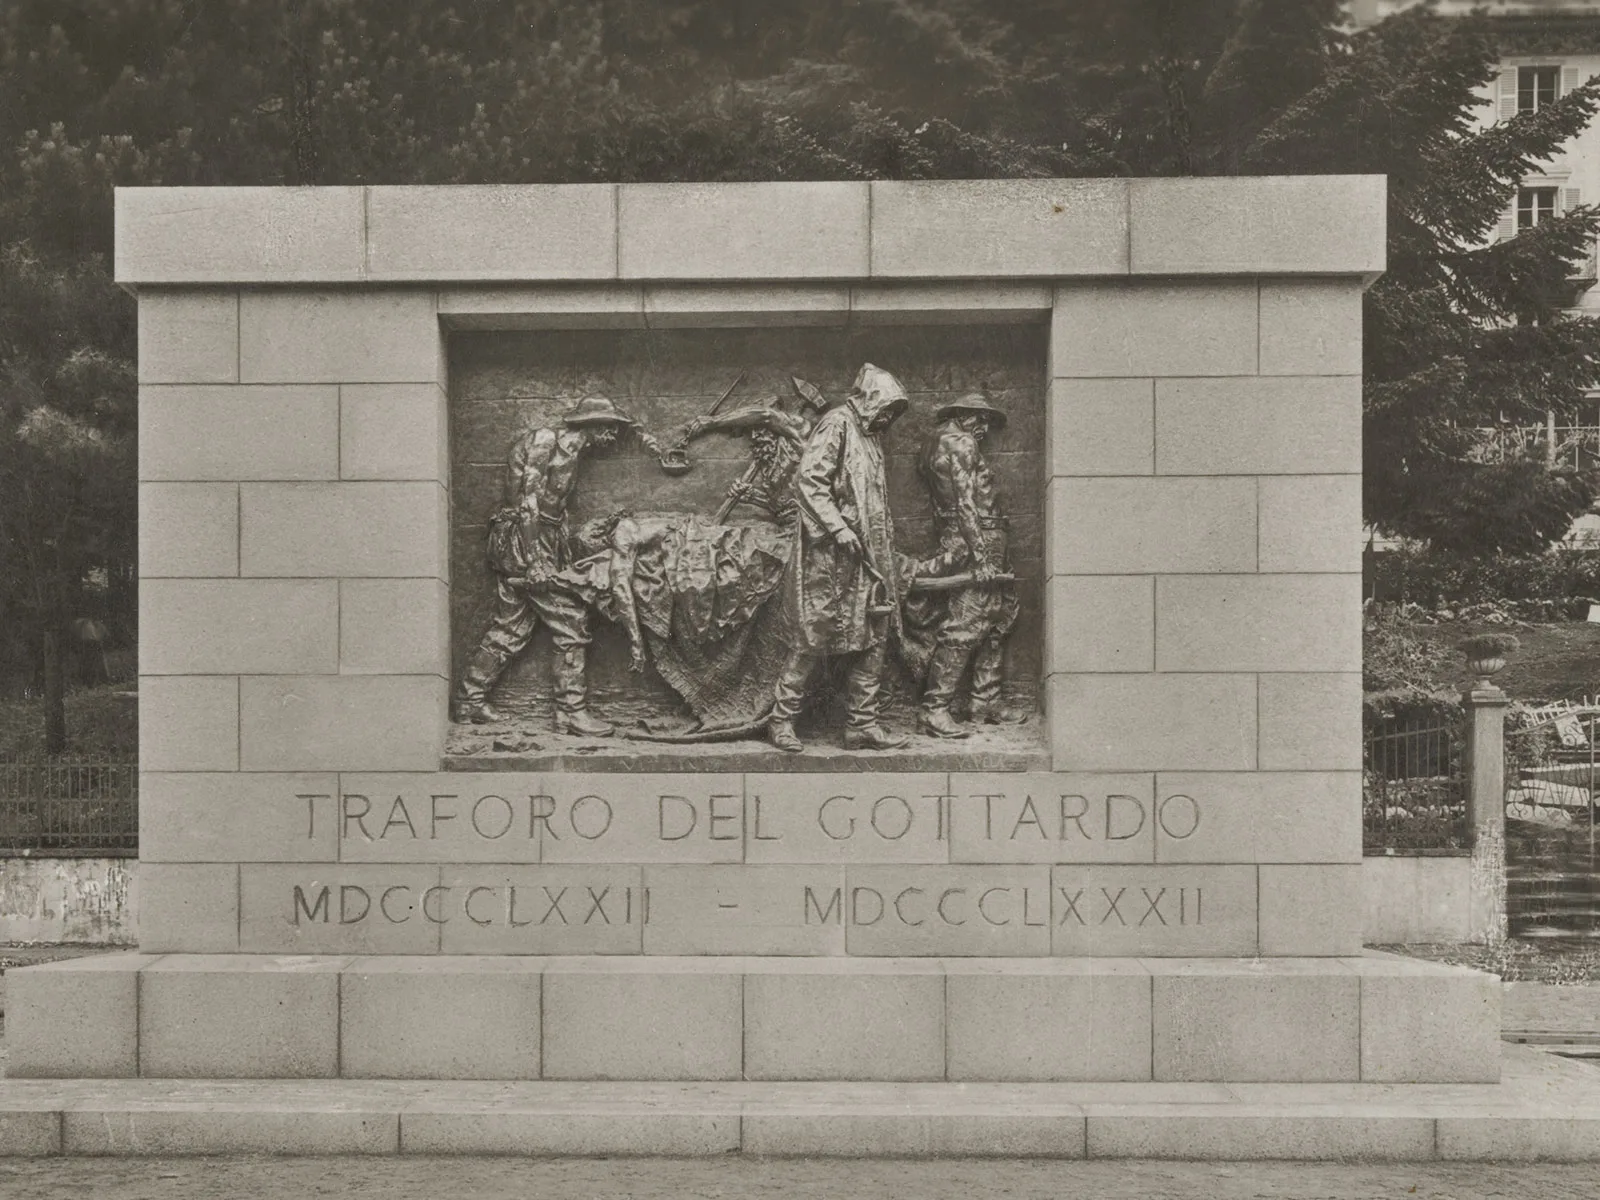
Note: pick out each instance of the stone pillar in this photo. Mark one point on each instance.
(1486, 811)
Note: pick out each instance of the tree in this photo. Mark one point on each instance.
(1463, 331)
(66, 455)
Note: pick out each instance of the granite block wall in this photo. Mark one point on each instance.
(328, 381)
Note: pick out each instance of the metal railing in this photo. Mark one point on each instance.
(1414, 786)
(69, 810)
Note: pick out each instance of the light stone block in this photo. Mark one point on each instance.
(393, 431)
(340, 722)
(444, 817)
(394, 627)
(33, 1134)
(999, 227)
(1411, 899)
(986, 303)
(869, 817)
(238, 626)
(1150, 526)
(1528, 1005)
(1157, 911)
(325, 336)
(1038, 817)
(1260, 816)
(917, 911)
(239, 1017)
(1311, 523)
(188, 530)
(74, 1020)
(1267, 1021)
(308, 1129)
(234, 817)
(188, 722)
(1504, 1138)
(637, 818)
(569, 909)
(1311, 911)
(1258, 623)
(1438, 1025)
(697, 306)
(1101, 623)
(765, 909)
(1076, 1020)
(742, 231)
(326, 908)
(1143, 329)
(1102, 426)
(188, 908)
(238, 234)
(1019, 1132)
(440, 1018)
(1311, 326)
(1311, 225)
(488, 231)
(394, 530)
(212, 432)
(639, 1020)
(1261, 425)
(554, 306)
(1212, 1133)
(1310, 722)
(542, 1133)
(188, 337)
(885, 1024)
(1152, 722)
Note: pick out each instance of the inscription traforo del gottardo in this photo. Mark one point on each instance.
(666, 825)
(777, 865)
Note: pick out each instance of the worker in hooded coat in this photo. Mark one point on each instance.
(842, 591)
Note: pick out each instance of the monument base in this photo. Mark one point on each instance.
(1371, 1019)
(1545, 1108)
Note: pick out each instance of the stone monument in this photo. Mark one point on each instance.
(1076, 796)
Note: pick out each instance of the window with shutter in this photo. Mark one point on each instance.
(1508, 93)
(1536, 87)
(1535, 205)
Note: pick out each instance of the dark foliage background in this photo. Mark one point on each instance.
(95, 93)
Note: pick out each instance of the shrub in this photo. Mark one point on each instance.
(1488, 645)
(1567, 579)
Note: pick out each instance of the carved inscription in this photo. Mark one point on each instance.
(903, 864)
(868, 816)
(511, 905)
(888, 910)
(1002, 906)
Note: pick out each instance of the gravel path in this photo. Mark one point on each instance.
(747, 1179)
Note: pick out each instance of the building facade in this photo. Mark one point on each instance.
(1548, 48)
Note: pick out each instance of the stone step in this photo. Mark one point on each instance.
(1374, 1018)
(1545, 1107)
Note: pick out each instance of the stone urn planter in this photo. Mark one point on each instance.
(1486, 653)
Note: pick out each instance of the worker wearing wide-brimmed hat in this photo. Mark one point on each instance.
(527, 551)
(973, 537)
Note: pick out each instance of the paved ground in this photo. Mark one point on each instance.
(525, 1179)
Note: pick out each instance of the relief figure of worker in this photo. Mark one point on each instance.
(777, 436)
(841, 592)
(528, 553)
(969, 633)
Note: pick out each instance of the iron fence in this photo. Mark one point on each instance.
(69, 810)
(1414, 785)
